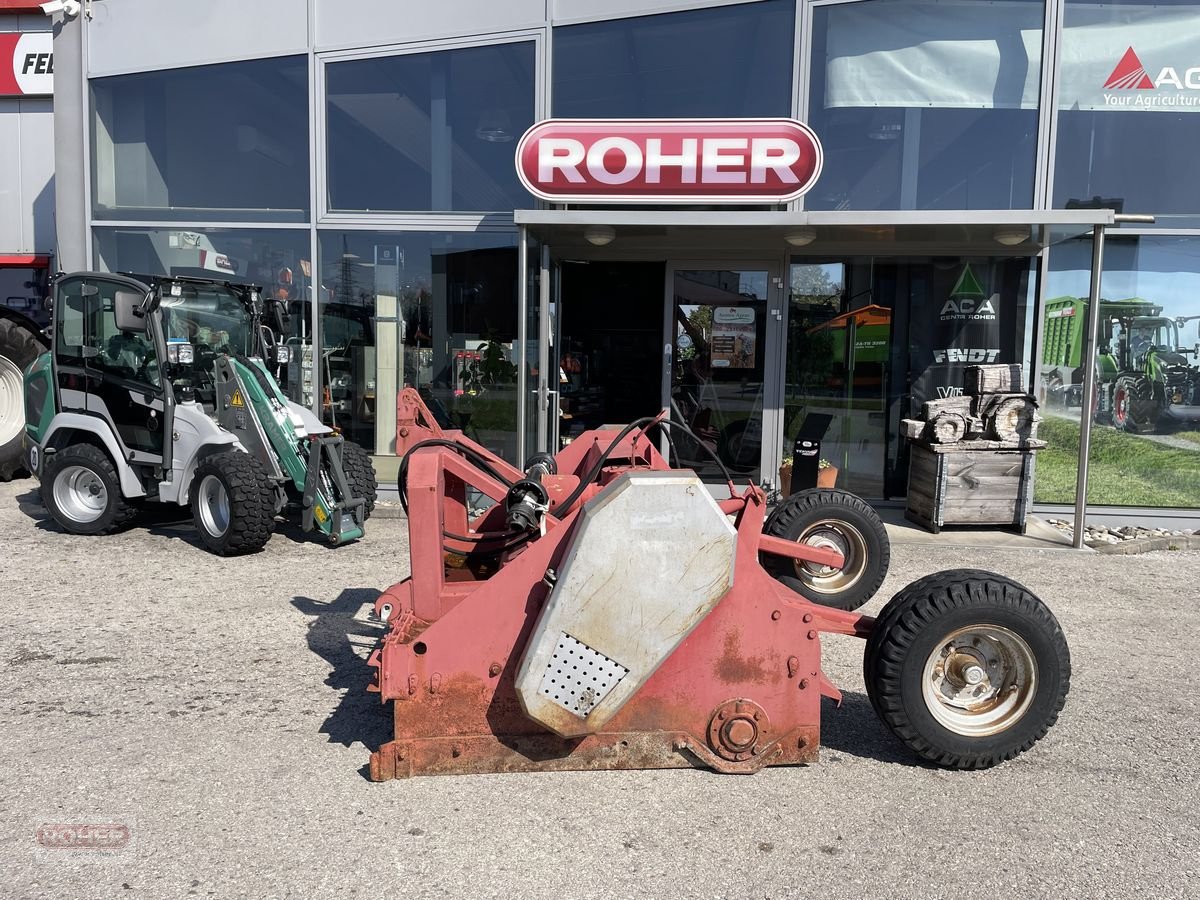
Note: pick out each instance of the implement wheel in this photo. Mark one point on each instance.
(833, 520)
(233, 503)
(356, 463)
(967, 668)
(82, 491)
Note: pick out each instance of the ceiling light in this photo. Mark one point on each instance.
(600, 235)
(1010, 237)
(801, 237)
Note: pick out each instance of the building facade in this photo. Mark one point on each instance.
(26, 156)
(360, 164)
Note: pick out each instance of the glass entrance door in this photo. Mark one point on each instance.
(725, 325)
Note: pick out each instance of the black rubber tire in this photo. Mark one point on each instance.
(799, 513)
(118, 512)
(1134, 408)
(356, 463)
(21, 346)
(739, 452)
(918, 620)
(251, 497)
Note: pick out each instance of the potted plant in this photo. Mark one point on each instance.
(827, 474)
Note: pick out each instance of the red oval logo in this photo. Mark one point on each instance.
(669, 160)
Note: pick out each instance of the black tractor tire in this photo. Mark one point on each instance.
(738, 448)
(19, 346)
(1134, 407)
(837, 520)
(233, 503)
(82, 491)
(356, 463)
(967, 668)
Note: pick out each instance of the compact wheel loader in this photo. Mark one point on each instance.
(160, 390)
(601, 610)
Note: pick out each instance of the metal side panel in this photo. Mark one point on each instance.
(194, 431)
(650, 557)
(131, 484)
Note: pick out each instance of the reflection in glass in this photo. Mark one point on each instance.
(926, 105)
(719, 363)
(1145, 445)
(434, 311)
(277, 260)
(871, 339)
(429, 131)
(227, 141)
(1125, 89)
(727, 61)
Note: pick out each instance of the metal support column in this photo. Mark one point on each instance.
(1089, 385)
(543, 390)
(522, 342)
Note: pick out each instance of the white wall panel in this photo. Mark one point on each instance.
(139, 35)
(26, 176)
(342, 24)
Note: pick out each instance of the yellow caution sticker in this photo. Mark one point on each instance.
(237, 400)
(319, 512)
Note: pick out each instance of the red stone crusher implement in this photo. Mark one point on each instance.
(601, 610)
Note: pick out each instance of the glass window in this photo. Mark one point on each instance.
(429, 131)
(434, 311)
(1129, 106)
(926, 105)
(277, 260)
(1145, 446)
(228, 142)
(727, 61)
(871, 339)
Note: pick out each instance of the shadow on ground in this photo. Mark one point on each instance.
(343, 641)
(855, 729)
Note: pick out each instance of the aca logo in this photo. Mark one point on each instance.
(1130, 74)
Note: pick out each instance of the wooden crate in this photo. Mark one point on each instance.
(956, 484)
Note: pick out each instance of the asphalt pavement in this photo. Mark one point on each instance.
(212, 712)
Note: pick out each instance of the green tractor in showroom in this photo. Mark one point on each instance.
(160, 389)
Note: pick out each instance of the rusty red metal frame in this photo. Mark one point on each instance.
(742, 691)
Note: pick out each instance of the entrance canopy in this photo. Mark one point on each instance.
(695, 232)
(613, 233)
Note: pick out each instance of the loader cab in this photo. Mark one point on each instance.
(108, 361)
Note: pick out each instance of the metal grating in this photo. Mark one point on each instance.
(578, 677)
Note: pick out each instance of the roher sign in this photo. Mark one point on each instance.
(27, 64)
(669, 160)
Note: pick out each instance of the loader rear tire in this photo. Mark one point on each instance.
(967, 668)
(835, 520)
(356, 463)
(82, 491)
(233, 503)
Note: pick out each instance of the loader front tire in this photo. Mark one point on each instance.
(356, 463)
(233, 503)
(835, 520)
(82, 491)
(967, 668)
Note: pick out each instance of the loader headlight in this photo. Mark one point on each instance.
(283, 354)
(180, 353)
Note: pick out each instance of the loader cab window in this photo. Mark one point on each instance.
(123, 354)
(69, 313)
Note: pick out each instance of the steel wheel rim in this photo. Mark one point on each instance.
(1120, 402)
(979, 680)
(213, 502)
(833, 534)
(80, 494)
(12, 416)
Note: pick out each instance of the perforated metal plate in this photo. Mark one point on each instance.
(578, 677)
